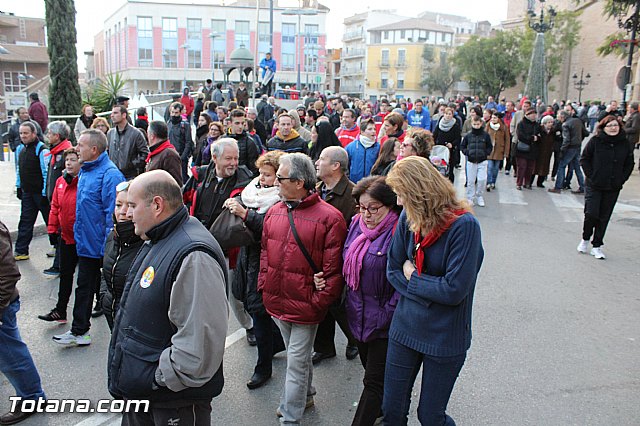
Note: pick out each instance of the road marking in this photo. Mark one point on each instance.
(99, 419)
(566, 201)
(622, 208)
(510, 195)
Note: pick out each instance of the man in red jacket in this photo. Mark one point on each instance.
(187, 101)
(349, 130)
(300, 277)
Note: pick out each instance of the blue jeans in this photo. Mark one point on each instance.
(439, 374)
(571, 157)
(494, 167)
(31, 204)
(15, 359)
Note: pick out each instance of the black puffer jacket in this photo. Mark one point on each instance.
(245, 279)
(247, 151)
(477, 145)
(607, 161)
(121, 248)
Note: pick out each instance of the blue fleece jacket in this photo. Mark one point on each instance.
(433, 315)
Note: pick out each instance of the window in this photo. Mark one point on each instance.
(310, 60)
(400, 83)
(311, 34)
(12, 83)
(219, 44)
(402, 33)
(402, 57)
(194, 40)
(385, 35)
(264, 39)
(288, 33)
(169, 42)
(384, 80)
(288, 62)
(444, 36)
(242, 34)
(385, 57)
(145, 41)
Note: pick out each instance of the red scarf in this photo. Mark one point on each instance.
(143, 118)
(433, 236)
(164, 145)
(61, 147)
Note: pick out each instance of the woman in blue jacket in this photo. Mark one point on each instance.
(363, 152)
(434, 260)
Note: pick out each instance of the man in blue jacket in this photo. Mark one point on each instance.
(268, 65)
(94, 208)
(31, 186)
(418, 116)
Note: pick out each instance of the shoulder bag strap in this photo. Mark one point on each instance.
(302, 247)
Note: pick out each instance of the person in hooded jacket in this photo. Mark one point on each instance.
(62, 217)
(188, 103)
(287, 139)
(304, 133)
(121, 248)
(607, 161)
(252, 205)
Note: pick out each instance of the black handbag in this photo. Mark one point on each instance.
(523, 147)
(303, 249)
(230, 231)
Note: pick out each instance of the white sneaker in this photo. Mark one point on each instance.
(70, 339)
(583, 246)
(471, 201)
(597, 253)
(480, 201)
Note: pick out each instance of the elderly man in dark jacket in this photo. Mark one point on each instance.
(335, 188)
(127, 145)
(15, 359)
(163, 155)
(180, 136)
(300, 277)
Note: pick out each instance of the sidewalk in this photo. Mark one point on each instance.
(9, 203)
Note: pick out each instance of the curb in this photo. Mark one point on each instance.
(38, 231)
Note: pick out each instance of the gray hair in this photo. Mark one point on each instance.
(97, 139)
(218, 147)
(60, 128)
(564, 114)
(337, 154)
(300, 168)
(546, 119)
(634, 105)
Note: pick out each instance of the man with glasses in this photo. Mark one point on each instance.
(95, 204)
(573, 132)
(335, 188)
(300, 274)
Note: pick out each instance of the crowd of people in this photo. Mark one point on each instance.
(342, 212)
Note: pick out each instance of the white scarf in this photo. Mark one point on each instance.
(261, 199)
(446, 125)
(367, 142)
(495, 126)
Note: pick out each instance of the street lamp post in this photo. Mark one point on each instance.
(580, 84)
(186, 63)
(537, 77)
(299, 13)
(213, 37)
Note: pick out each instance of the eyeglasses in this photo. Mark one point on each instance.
(122, 186)
(406, 145)
(280, 178)
(370, 209)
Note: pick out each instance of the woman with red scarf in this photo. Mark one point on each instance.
(434, 260)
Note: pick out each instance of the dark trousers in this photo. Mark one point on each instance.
(439, 375)
(68, 263)
(557, 157)
(511, 159)
(185, 175)
(269, 341)
(88, 282)
(31, 204)
(373, 356)
(192, 413)
(598, 208)
(524, 171)
(325, 337)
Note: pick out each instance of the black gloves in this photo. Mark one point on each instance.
(19, 193)
(53, 239)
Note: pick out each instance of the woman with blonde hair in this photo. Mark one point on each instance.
(433, 263)
(84, 121)
(101, 124)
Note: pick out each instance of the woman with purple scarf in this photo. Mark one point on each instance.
(370, 300)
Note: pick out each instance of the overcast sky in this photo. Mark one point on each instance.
(90, 14)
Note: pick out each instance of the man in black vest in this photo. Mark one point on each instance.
(171, 351)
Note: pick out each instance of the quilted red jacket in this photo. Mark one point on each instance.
(63, 209)
(285, 278)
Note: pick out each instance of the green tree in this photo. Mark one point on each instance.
(102, 94)
(442, 76)
(64, 92)
(492, 64)
(562, 38)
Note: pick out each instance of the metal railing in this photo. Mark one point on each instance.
(354, 53)
(352, 35)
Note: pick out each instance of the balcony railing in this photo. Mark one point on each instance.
(353, 53)
(353, 35)
(384, 64)
(347, 72)
(351, 89)
(401, 64)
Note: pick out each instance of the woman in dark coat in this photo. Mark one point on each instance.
(202, 132)
(550, 137)
(252, 205)
(389, 151)
(448, 133)
(322, 136)
(121, 248)
(528, 135)
(607, 161)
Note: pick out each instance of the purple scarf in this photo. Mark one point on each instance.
(360, 246)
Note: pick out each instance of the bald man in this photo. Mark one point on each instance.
(171, 351)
